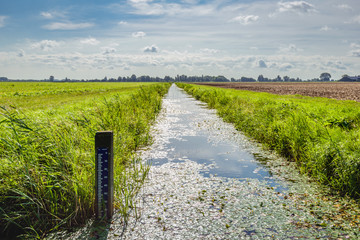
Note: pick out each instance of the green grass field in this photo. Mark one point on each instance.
(47, 130)
(321, 135)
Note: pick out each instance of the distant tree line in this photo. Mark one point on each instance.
(324, 77)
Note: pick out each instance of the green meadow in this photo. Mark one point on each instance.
(47, 130)
(321, 135)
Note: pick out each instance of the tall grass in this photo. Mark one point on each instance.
(321, 135)
(47, 162)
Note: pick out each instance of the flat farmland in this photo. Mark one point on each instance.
(334, 90)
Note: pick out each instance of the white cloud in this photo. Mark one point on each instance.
(209, 50)
(2, 21)
(21, 53)
(325, 28)
(262, 64)
(109, 62)
(291, 48)
(122, 23)
(356, 19)
(108, 50)
(67, 26)
(354, 45)
(151, 49)
(355, 53)
(286, 67)
(344, 7)
(45, 45)
(53, 15)
(335, 65)
(145, 7)
(296, 6)
(46, 15)
(138, 34)
(245, 20)
(189, 8)
(90, 41)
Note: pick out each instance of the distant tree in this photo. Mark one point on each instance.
(168, 79)
(325, 76)
(286, 79)
(247, 79)
(133, 78)
(278, 79)
(260, 78)
(51, 78)
(221, 79)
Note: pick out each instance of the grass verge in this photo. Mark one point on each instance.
(321, 135)
(47, 161)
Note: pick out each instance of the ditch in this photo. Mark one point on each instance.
(208, 181)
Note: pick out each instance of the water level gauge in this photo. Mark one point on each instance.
(104, 175)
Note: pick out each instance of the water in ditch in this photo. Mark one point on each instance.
(189, 131)
(208, 181)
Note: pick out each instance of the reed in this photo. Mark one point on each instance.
(321, 135)
(47, 171)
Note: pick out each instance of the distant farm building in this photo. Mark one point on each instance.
(350, 79)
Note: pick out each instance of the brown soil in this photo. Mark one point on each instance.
(335, 90)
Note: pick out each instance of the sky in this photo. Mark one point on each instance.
(87, 39)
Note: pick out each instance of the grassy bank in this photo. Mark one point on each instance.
(321, 135)
(47, 153)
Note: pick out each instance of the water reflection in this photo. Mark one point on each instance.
(189, 131)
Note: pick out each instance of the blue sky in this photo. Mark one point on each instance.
(86, 39)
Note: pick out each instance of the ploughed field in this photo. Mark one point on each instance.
(335, 90)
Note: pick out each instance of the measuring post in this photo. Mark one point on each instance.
(104, 173)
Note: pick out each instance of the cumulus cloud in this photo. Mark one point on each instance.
(285, 67)
(344, 7)
(296, 6)
(2, 21)
(138, 34)
(90, 41)
(21, 53)
(209, 50)
(355, 51)
(157, 8)
(67, 26)
(145, 7)
(355, 19)
(325, 28)
(45, 45)
(291, 48)
(108, 50)
(151, 49)
(336, 65)
(245, 20)
(354, 45)
(53, 14)
(262, 64)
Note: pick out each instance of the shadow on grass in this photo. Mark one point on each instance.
(98, 230)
